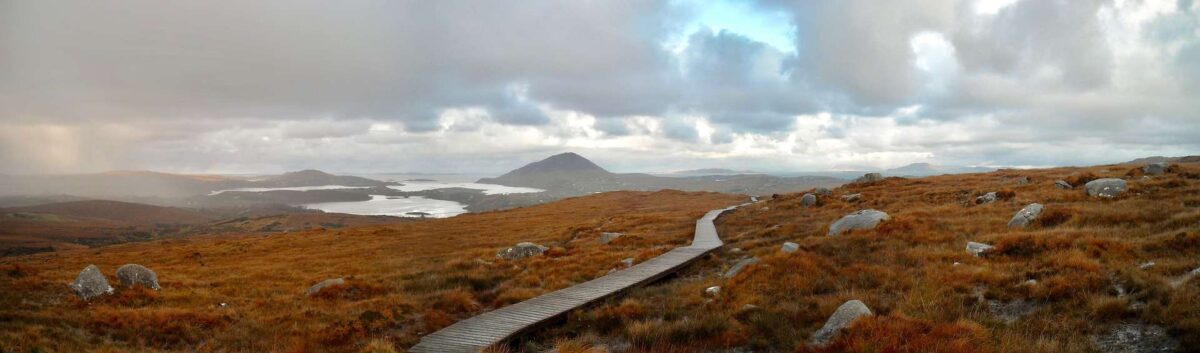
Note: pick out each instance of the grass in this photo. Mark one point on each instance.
(246, 293)
(928, 293)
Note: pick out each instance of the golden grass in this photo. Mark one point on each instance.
(247, 293)
(1077, 252)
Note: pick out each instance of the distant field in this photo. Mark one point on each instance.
(404, 280)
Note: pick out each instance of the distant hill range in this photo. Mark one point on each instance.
(571, 174)
(926, 169)
(710, 171)
(1161, 159)
(131, 185)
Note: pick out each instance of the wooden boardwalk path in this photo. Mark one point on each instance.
(496, 326)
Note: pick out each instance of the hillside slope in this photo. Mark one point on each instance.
(1088, 275)
(247, 293)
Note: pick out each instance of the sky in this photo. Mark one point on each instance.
(487, 86)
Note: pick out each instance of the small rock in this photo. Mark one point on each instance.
(712, 291)
(1155, 168)
(628, 262)
(608, 237)
(986, 198)
(808, 200)
(864, 219)
(1025, 216)
(90, 284)
(1021, 180)
(1106, 188)
(1029, 282)
(131, 274)
(789, 247)
(749, 307)
(851, 197)
(842, 318)
(735, 250)
(956, 263)
(737, 267)
(316, 288)
(823, 191)
(1179, 281)
(521, 250)
(869, 178)
(1063, 184)
(1146, 266)
(1136, 338)
(978, 249)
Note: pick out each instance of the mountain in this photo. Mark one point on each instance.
(1160, 159)
(570, 174)
(926, 169)
(127, 212)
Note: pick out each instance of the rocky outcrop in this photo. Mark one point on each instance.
(1136, 338)
(134, 274)
(808, 200)
(316, 288)
(1025, 216)
(869, 178)
(864, 219)
(1155, 169)
(90, 284)
(841, 319)
(521, 250)
(1106, 188)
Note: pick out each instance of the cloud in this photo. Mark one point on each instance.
(458, 85)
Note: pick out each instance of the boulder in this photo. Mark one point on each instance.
(869, 178)
(608, 237)
(521, 250)
(789, 247)
(986, 198)
(1063, 184)
(823, 191)
(1155, 168)
(851, 197)
(316, 288)
(864, 219)
(1025, 216)
(978, 249)
(131, 274)
(808, 200)
(90, 284)
(1106, 188)
(841, 319)
(737, 267)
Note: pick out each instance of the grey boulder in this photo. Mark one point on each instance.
(90, 284)
(789, 247)
(739, 266)
(864, 219)
(869, 178)
(808, 200)
(851, 197)
(822, 191)
(1155, 168)
(521, 250)
(133, 274)
(608, 237)
(978, 249)
(845, 315)
(1106, 188)
(1063, 184)
(986, 198)
(316, 288)
(1026, 216)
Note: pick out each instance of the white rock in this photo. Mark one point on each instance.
(978, 249)
(713, 291)
(789, 247)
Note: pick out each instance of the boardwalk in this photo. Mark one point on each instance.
(487, 329)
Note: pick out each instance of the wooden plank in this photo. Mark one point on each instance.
(496, 326)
